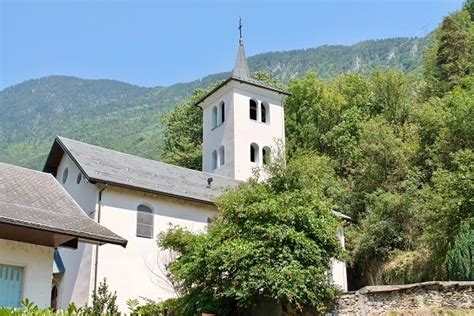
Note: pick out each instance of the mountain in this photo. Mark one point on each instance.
(126, 117)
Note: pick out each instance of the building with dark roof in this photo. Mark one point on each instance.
(37, 215)
(137, 198)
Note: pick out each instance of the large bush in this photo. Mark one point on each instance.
(273, 241)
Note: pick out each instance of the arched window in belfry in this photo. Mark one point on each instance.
(222, 108)
(214, 117)
(264, 113)
(221, 156)
(254, 152)
(266, 155)
(214, 160)
(253, 109)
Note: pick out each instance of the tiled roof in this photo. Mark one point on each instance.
(101, 165)
(36, 200)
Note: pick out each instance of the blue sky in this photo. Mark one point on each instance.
(152, 43)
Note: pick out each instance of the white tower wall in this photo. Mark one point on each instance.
(222, 135)
(238, 131)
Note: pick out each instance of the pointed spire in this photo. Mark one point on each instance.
(241, 69)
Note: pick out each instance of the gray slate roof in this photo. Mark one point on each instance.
(249, 81)
(36, 200)
(241, 74)
(241, 69)
(101, 165)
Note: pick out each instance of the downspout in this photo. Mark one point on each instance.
(96, 263)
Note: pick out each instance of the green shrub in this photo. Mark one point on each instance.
(152, 308)
(29, 308)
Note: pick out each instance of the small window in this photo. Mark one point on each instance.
(144, 221)
(254, 152)
(222, 112)
(214, 117)
(221, 156)
(266, 155)
(264, 112)
(253, 109)
(65, 174)
(214, 160)
(79, 178)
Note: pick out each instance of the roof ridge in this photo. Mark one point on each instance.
(26, 169)
(155, 161)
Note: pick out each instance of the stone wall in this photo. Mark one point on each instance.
(410, 298)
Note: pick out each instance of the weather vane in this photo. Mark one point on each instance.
(240, 27)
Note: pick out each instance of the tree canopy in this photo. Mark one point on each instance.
(273, 240)
(402, 152)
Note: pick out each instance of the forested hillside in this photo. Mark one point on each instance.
(402, 153)
(125, 117)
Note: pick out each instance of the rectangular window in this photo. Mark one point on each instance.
(144, 222)
(11, 283)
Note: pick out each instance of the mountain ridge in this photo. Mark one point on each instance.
(126, 117)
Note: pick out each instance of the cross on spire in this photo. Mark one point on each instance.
(241, 70)
(240, 27)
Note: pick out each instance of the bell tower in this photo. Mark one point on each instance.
(243, 122)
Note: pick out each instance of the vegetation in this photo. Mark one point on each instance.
(273, 241)
(404, 152)
(460, 258)
(103, 301)
(396, 154)
(151, 307)
(28, 308)
(124, 117)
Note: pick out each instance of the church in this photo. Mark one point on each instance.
(137, 198)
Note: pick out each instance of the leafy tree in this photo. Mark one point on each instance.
(469, 6)
(386, 226)
(272, 241)
(450, 57)
(265, 77)
(311, 111)
(343, 141)
(442, 207)
(460, 258)
(386, 156)
(390, 92)
(182, 135)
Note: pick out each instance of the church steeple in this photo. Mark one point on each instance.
(241, 69)
(243, 122)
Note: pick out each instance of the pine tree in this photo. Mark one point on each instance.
(460, 259)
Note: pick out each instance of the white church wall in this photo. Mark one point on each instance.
(249, 131)
(222, 135)
(239, 131)
(37, 264)
(138, 270)
(75, 285)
